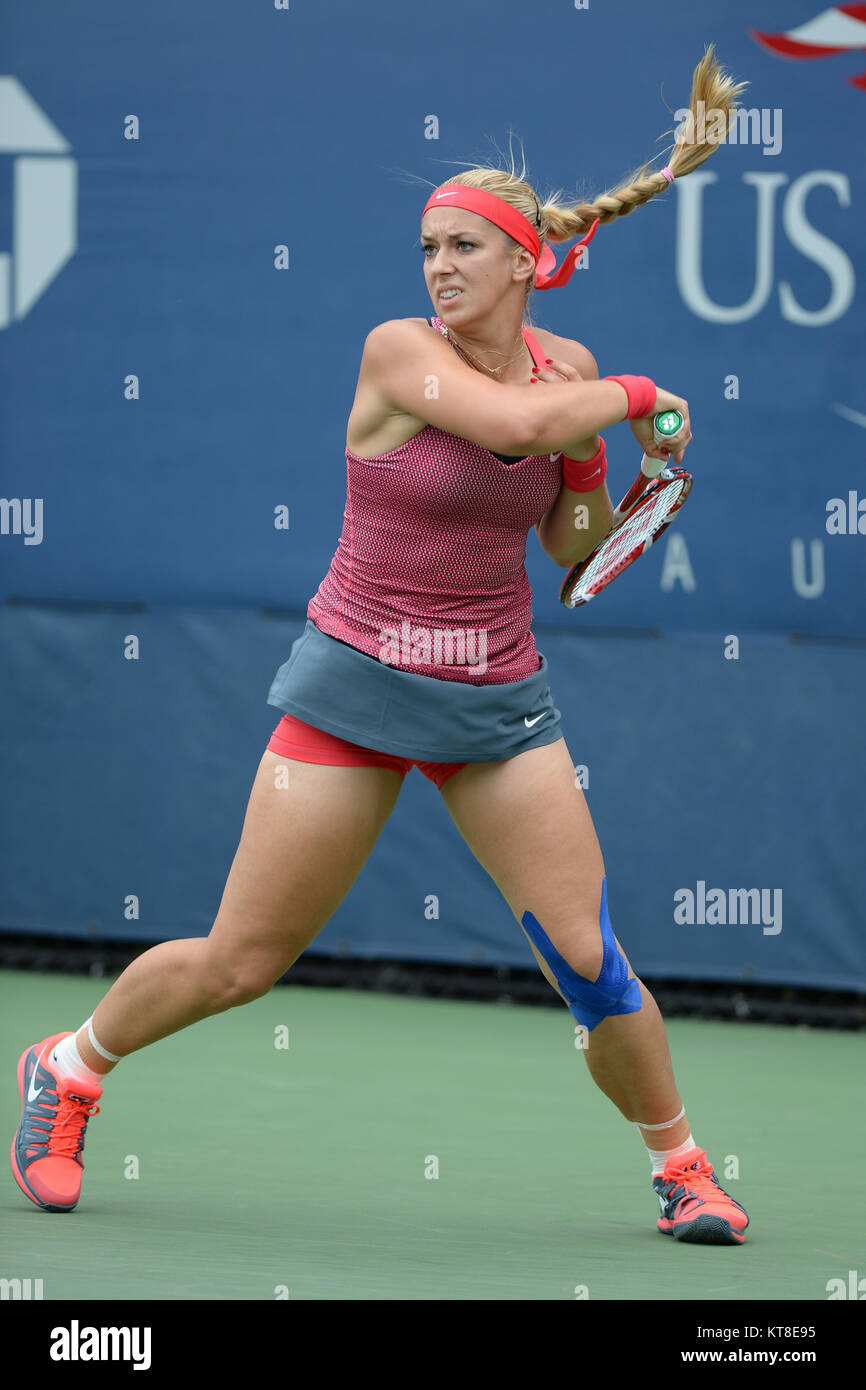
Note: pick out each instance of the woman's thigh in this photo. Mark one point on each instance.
(527, 823)
(307, 833)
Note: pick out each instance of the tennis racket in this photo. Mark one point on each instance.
(647, 510)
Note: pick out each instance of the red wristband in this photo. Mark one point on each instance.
(641, 394)
(580, 475)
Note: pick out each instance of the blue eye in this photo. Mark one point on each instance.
(429, 246)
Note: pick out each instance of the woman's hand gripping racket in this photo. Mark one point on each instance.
(647, 509)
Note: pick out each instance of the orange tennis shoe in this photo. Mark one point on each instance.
(49, 1140)
(693, 1205)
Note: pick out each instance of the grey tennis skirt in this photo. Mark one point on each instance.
(335, 687)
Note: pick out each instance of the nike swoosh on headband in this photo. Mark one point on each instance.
(548, 275)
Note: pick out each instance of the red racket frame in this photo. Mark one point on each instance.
(666, 478)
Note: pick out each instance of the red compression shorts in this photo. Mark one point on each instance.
(292, 738)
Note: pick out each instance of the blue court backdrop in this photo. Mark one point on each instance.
(204, 209)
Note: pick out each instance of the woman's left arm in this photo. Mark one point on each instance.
(577, 521)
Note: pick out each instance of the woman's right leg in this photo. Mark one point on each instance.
(302, 846)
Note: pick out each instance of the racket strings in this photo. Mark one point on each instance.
(632, 534)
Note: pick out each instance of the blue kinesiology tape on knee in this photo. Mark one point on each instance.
(590, 1000)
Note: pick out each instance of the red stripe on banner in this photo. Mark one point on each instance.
(855, 11)
(859, 81)
(791, 48)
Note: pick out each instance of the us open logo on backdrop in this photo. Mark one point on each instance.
(44, 188)
(840, 29)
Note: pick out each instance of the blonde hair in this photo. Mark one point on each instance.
(557, 220)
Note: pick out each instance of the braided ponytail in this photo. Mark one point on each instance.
(718, 93)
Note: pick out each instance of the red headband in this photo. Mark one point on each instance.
(502, 214)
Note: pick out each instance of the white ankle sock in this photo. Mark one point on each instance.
(659, 1157)
(69, 1062)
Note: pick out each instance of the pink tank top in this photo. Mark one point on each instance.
(429, 574)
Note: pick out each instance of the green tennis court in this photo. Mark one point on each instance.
(299, 1171)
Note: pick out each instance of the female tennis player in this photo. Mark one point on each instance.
(418, 651)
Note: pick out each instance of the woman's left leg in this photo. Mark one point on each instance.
(527, 823)
(529, 826)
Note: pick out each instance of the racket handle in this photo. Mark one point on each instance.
(650, 468)
(665, 425)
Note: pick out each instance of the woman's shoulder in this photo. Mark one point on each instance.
(388, 325)
(568, 350)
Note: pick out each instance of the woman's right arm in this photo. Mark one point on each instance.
(416, 372)
(574, 397)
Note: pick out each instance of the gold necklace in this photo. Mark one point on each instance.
(466, 354)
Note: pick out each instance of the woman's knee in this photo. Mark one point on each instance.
(583, 949)
(579, 931)
(233, 982)
(575, 936)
